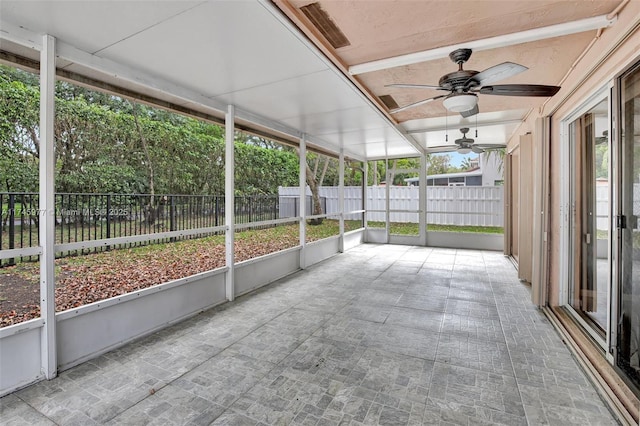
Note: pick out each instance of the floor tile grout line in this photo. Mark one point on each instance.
(500, 318)
(36, 410)
(435, 356)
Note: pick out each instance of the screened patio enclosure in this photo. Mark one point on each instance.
(268, 68)
(193, 58)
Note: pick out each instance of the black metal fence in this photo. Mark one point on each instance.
(86, 217)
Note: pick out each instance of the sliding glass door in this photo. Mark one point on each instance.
(589, 284)
(628, 343)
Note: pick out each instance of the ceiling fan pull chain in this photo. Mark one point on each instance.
(446, 127)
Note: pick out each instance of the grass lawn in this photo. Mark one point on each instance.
(412, 228)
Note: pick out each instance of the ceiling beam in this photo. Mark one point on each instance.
(535, 34)
(474, 125)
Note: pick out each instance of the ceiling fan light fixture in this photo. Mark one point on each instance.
(464, 150)
(460, 102)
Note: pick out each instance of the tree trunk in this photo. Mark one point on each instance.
(315, 197)
(314, 185)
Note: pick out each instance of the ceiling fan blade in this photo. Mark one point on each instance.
(415, 86)
(520, 90)
(477, 149)
(471, 112)
(442, 148)
(415, 104)
(497, 73)
(486, 146)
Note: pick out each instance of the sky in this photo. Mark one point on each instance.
(457, 159)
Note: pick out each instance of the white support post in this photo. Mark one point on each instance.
(422, 200)
(47, 206)
(375, 172)
(229, 201)
(388, 181)
(341, 199)
(303, 199)
(365, 192)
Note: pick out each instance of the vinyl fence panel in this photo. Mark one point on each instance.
(446, 205)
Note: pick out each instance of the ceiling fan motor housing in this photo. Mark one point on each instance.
(464, 140)
(459, 56)
(457, 80)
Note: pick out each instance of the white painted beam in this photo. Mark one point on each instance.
(21, 36)
(473, 125)
(504, 40)
(47, 206)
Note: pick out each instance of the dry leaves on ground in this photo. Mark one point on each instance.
(90, 278)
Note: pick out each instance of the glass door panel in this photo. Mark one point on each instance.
(628, 345)
(600, 217)
(590, 276)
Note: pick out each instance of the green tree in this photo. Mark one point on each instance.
(466, 164)
(19, 132)
(438, 164)
(602, 160)
(108, 144)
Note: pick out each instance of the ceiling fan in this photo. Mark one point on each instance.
(464, 85)
(465, 145)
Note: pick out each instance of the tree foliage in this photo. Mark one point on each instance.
(19, 118)
(108, 144)
(602, 161)
(260, 170)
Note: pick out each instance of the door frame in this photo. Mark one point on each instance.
(509, 225)
(567, 211)
(507, 206)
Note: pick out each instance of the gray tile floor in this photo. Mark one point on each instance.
(391, 335)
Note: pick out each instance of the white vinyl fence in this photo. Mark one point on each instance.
(602, 206)
(446, 205)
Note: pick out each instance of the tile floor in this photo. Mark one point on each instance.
(389, 335)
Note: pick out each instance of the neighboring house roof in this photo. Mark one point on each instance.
(473, 172)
